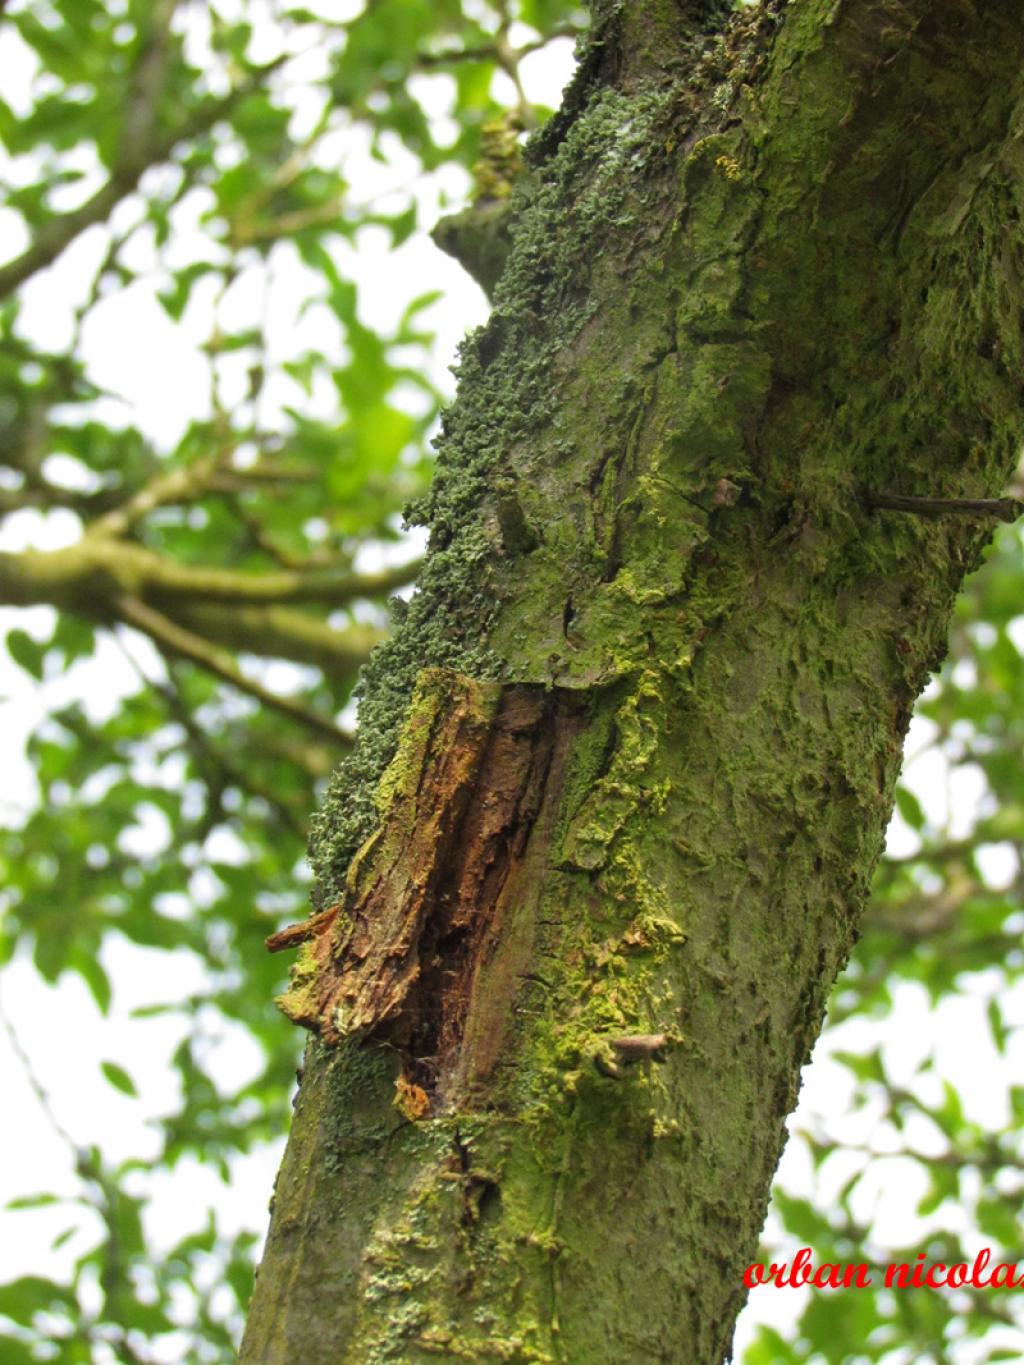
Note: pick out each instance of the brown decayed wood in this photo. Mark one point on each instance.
(424, 948)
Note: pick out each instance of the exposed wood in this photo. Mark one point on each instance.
(422, 950)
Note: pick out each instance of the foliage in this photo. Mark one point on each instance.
(201, 159)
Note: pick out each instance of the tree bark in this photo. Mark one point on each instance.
(575, 945)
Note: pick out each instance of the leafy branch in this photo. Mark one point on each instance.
(148, 148)
(194, 611)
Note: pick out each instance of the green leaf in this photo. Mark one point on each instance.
(865, 1066)
(22, 1299)
(402, 225)
(770, 1349)
(32, 1201)
(94, 976)
(910, 808)
(15, 1351)
(175, 299)
(1000, 1032)
(72, 639)
(801, 1219)
(998, 1220)
(119, 1078)
(26, 652)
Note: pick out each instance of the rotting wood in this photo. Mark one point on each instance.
(422, 952)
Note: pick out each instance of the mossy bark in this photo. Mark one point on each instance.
(765, 268)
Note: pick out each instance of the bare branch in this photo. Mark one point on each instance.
(210, 474)
(147, 573)
(493, 52)
(36, 1085)
(89, 578)
(180, 485)
(454, 56)
(149, 80)
(331, 587)
(42, 493)
(249, 232)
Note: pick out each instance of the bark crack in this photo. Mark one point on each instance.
(420, 950)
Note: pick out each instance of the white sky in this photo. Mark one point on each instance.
(132, 347)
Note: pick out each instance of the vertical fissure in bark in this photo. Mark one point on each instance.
(422, 953)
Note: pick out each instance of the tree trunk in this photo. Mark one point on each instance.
(767, 268)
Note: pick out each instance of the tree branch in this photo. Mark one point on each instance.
(331, 587)
(209, 474)
(493, 52)
(224, 771)
(262, 230)
(175, 640)
(180, 485)
(150, 77)
(42, 493)
(57, 234)
(91, 587)
(83, 576)
(280, 633)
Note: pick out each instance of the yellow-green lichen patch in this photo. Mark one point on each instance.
(622, 788)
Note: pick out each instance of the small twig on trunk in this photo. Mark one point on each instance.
(292, 935)
(1006, 509)
(629, 1050)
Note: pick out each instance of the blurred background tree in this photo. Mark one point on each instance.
(222, 340)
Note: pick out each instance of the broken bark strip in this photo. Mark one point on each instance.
(294, 935)
(425, 937)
